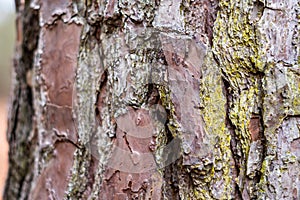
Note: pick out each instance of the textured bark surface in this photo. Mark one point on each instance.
(155, 99)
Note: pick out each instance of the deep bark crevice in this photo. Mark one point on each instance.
(262, 123)
(171, 177)
(100, 97)
(233, 142)
(172, 171)
(152, 95)
(242, 129)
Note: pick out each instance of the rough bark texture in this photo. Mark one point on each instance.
(155, 99)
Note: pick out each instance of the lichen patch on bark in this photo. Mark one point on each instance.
(149, 99)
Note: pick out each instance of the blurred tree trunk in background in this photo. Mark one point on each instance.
(150, 99)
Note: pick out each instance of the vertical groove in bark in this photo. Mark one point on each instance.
(20, 128)
(172, 176)
(233, 141)
(238, 51)
(156, 100)
(249, 59)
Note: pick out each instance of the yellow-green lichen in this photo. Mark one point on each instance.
(213, 110)
(168, 104)
(241, 59)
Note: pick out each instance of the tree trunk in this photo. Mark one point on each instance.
(153, 99)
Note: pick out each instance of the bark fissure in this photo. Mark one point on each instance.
(134, 99)
(262, 127)
(233, 141)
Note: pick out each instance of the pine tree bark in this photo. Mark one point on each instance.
(155, 99)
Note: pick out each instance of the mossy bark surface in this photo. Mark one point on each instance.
(155, 99)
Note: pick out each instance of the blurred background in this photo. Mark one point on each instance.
(7, 37)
